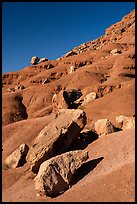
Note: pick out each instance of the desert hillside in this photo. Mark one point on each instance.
(85, 101)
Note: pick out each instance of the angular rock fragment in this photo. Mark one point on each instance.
(18, 157)
(55, 174)
(56, 138)
(125, 122)
(103, 127)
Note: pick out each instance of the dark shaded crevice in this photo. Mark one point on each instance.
(83, 140)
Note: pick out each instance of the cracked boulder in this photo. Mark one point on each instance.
(56, 138)
(55, 174)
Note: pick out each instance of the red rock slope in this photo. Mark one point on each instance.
(105, 66)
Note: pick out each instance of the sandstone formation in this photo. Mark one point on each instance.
(104, 127)
(55, 174)
(18, 157)
(56, 138)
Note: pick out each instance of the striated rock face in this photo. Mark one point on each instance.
(103, 127)
(18, 157)
(56, 138)
(126, 122)
(55, 174)
(34, 60)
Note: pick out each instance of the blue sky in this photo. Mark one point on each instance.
(50, 29)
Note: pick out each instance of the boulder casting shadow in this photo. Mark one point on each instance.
(82, 172)
(85, 169)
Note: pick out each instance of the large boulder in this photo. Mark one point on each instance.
(55, 174)
(65, 99)
(125, 122)
(34, 60)
(56, 138)
(104, 127)
(58, 101)
(18, 157)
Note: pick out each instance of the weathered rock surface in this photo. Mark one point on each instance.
(58, 101)
(13, 108)
(103, 127)
(55, 174)
(18, 157)
(126, 122)
(56, 138)
(34, 60)
(65, 99)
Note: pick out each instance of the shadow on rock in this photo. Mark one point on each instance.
(83, 140)
(85, 169)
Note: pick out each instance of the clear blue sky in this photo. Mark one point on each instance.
(50, 29)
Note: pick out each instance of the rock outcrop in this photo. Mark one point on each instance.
(55, 174)
(56, 138)
(18, 157)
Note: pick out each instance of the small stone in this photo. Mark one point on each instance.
(17, 158)
(104, 127)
